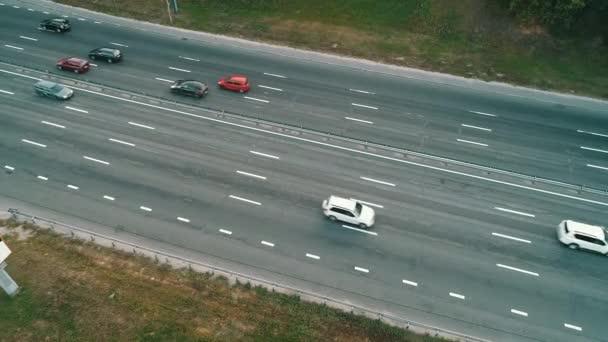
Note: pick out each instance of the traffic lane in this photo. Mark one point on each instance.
(414, 205)
(258, 58)
(250, 219)
(250, 260)
(131, 111)
(366, 259)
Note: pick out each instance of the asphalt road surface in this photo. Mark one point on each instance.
(476, 250)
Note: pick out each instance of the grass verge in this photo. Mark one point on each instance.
(471, 38)
(77, 291)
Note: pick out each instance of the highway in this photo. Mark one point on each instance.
(475, 251)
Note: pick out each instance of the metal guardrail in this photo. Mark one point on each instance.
(398, 321)
(332, 135)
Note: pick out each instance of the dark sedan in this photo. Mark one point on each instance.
(58, 25)
(190, 87)
(106, 54)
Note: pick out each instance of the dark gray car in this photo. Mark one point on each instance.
(52, 89)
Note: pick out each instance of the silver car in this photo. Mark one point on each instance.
(52, 89)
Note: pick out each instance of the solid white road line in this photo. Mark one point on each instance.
(42, 177)
(368, 203)
(178, 69)
(28, 38)
(312, 256)
(472, 142)
(96, 160)
(363, 106)
(52, 124)
(265, 155)
(269, 244)
(518, 270)
(183, 219)
(477, 127)
(407, 282)
(360, 230)
(190, 59)
(7, 92)
(593, 149)
(377, 181)
(521, 313)
(359, 120)
(593, 133)
(514, 212)
(511, 238)
(250, 175)
(256, 99)
(271, 88)
(145, 208)
(244, 200)
(8, 167)
(140, 125)
(362, 91)
(13, 47)
(274, 75)
(73, 187)
(336, 147)
(597, 167)
(121, 142)
(224, 231)
(33, 143)
(482, 113)
(118, 44)
(570, 326)
(76, 109)
(456, 295)
(361, 269)
(110, 198)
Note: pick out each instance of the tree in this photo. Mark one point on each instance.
(560, 14)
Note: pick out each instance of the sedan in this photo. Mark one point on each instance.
(238, 83)
(58, 25)
(74, 64)
(190, 87)
(54, 90)
(107, 54)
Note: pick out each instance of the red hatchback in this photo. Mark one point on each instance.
(74, 64)
(234, 82)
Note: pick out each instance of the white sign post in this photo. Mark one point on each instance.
(6, 282)
(4, 251)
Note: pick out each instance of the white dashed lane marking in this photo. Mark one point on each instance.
(521, 313)
(52, 124)
(411, 283)
(33, 143)
(359, 120)
(244, 200)
(118, 44)
(363, 106)
(178, 69)
(266, 243)
(456, 295)
(77, 109)
(28, 38)
(274, 75)
(109, 198)
(190, 59)
(121, 142)
(250, 175)
(377, 181)
(312, 256)
(42, 177)
(145, 208)
(593, 149)
(472, 142)
(514, 212)
(482, 113)
(360, 230)
(13, 47)
(264, 155)
(361, 269)
(574, 327)
(96, 160)
(73, 187)
(271, 88)
(476, 127)
(6, 92)
(597, 167)
(224, 231)
(256, 99)
(517, 270)
(183, 219)
(140, 125)
(362, 91)
(511, 238)
(593, 133)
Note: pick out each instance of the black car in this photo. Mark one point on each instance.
(56, 25)
(190, 87)
(107, 54)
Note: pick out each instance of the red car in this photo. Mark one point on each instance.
(234, 82)
(74, 64)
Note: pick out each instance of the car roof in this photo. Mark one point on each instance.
(587, 229)
(239, 78)
(341, 202)
(44, 83)
(76, 60)
(199, 83)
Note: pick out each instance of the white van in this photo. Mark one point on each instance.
(577, 235)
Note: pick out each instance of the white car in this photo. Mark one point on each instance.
(348, 210)
(577, 235)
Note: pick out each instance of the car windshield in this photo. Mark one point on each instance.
(56, 88)
(358, 208)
